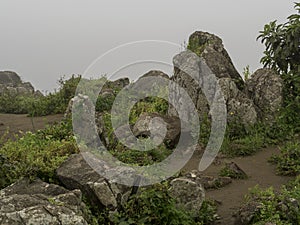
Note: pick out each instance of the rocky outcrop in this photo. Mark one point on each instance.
(37, 202)
(265, 88)
(210, 48)
(195, 77)
(11, 83)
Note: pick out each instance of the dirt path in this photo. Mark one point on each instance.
(14, 123)
(259, 171)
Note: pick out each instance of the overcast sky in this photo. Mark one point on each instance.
(43, 40)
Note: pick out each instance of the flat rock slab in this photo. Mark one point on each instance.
(37, 202)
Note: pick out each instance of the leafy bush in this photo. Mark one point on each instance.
(52, 103)
(282, 44)
(12, 103)
(282, 54)
(38, 154)
(288, 161)
(56, 102)
(142, 158)
(149, 104)
(246, 142)
(155, 206)
(276, 207)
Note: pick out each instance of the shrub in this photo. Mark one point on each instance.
(52, 103)
(56, 102)
(282, 54)
(38, 154)
(154, 206)
(13, 103)
(276, 207)
(288, 161)
(246, 142)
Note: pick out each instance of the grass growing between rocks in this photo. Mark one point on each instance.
(155, 206)
(226, 172)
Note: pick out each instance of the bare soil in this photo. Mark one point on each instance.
(17, 123)
(259, 170)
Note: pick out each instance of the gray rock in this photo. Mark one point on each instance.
(11, 83)
(246, 213)
(210, 47)
(150, 82)
(163, 128)
(9, 78)
(188, 194)
(117, 84)
(155, 73)
(75, 173)
(208, 182)
(190, 78)
(265, 88)
(235, 171)
(37, 202)
(240, 108)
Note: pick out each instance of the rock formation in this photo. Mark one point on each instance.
(37, 202)
(210, 48)
(11, 83)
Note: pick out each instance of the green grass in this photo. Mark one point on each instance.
(288, 161)
(276, 207)
(36, 154)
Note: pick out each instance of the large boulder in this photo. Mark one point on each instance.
(163, 128)
(265, 88)
(188, 194)
(210, 48)
(76, 173)
(84, 126)
(37, 202)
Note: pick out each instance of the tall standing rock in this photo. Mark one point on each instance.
(210, 48)
(204, 69)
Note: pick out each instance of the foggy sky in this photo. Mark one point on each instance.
(44, 40)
